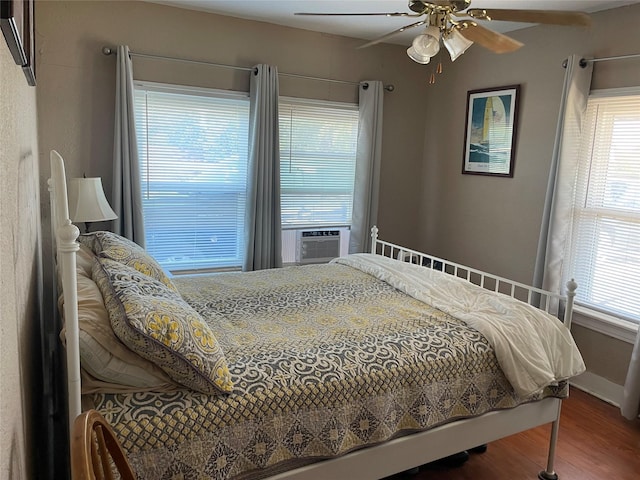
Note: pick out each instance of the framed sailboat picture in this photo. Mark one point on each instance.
(490, 135)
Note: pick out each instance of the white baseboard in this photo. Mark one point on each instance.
(599, 387)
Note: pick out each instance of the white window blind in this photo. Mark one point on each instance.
(193, 157)
(606, 233)
(317, 162)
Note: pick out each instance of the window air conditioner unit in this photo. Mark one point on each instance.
(317, 246)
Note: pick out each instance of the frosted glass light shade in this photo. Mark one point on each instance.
(428, 43)
(416, 57)
(456, 43)
(87, 202)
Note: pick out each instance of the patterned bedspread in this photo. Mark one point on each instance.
(325, 360)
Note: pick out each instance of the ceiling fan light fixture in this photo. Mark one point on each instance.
(416, 57)
(452, 23)
(456, 43)
(428, 43)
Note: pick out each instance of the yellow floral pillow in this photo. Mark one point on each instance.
(159, 325)
(123, 250)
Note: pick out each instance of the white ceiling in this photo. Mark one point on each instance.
(281, 12)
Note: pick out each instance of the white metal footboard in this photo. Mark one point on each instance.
(550, 302)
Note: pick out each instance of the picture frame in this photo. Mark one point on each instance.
(28, 41)
(490, 134)
(12, 25)
(18, 27)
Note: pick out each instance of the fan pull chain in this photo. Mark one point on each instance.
(438, 70)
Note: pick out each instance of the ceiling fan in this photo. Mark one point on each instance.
(454, 24)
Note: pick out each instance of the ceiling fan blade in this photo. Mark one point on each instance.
(494, 41)
(395, 32)
(392, 14)
(555, 17)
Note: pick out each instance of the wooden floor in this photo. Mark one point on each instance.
(595, 443)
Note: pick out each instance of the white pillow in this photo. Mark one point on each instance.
(102, 354)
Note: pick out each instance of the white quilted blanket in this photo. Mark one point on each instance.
(534, 349)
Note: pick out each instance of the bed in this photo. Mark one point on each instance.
(367, 366)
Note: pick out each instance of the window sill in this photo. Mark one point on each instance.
(605, 324)
(203, 271)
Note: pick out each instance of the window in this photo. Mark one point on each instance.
(317, 162)
(193, 148)
(606, 230)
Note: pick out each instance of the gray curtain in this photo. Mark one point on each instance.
(263, 229)
(555, 231)
(126, 194)
(368, 158)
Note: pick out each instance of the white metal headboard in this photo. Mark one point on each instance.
(64, 238)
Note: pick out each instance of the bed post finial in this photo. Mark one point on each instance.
(572, 285)
(374, 238)
(67, 236)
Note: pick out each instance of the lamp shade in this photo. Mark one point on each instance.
(416, 57)
(87, 202)
(456, 43)
(428, 43)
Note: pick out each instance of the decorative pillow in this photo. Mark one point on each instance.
(159, 325)
(123, 250)
(86, 240)
(102, 354)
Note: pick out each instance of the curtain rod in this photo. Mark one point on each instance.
(109, 51)
(585, 61)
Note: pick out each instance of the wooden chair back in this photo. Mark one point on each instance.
(95, 450)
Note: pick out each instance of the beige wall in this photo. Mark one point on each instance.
(19, 269)
(605, 356)
(494, 223)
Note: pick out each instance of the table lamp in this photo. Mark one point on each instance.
(87, 202)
